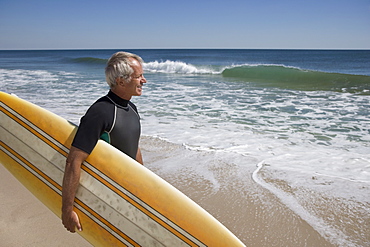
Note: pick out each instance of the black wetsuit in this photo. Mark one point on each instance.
(113, 119)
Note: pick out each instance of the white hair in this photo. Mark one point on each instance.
(119, 65)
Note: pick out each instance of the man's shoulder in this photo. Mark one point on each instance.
(102, 102)
(101, 107)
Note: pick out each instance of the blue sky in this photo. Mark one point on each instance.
(111, 24)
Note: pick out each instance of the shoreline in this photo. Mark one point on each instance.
(254, 214)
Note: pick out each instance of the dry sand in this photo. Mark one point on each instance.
(25, 221)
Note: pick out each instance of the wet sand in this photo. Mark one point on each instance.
(255, 215)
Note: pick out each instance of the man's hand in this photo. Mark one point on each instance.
(71, 221)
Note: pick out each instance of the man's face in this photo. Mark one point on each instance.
(134, 85)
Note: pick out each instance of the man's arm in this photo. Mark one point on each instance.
(139, 157)
(71, 181)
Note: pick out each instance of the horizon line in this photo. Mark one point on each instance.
(59, 49)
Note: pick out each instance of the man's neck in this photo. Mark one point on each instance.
(121, 94)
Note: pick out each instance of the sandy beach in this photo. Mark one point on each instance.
(25, 221)
(258, 218)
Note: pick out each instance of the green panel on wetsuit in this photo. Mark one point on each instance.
(105, 137)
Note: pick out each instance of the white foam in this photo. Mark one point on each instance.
(314, 127)
(176, 67)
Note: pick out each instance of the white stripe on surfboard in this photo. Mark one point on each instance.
(34, 127)
(27, 167)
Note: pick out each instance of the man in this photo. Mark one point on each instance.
(113, 118)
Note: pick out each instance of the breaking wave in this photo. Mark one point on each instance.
(265, 74)
(177, 67)
(299, 79)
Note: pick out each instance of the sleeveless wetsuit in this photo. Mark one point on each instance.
(113, 119)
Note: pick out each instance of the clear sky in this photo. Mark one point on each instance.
(111, 24)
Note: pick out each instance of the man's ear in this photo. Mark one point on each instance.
(120, 81)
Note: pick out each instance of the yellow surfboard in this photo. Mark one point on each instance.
(119, 201)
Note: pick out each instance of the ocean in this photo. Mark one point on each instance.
(274, 143)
